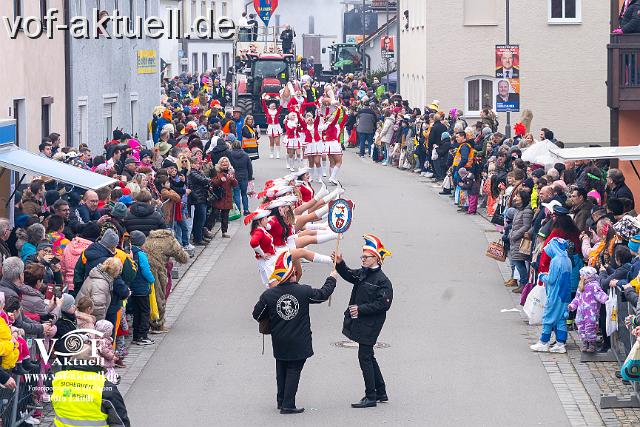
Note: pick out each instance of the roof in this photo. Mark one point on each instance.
(26, 162)
(595, 153)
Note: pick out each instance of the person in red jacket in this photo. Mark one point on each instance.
(274, 130)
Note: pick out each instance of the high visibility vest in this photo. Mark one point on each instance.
(458, 157)
(250, 142)
(77, 399)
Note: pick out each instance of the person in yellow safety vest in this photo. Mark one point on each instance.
(464, 154)
(82, 396)
(250, 138)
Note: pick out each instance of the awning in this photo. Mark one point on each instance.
(597, 153)
(25, 162)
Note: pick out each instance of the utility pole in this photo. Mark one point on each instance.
(387, 52)
(364, 36)
(507, 130)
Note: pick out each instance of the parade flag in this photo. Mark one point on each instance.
(265, 8)
(340, 215)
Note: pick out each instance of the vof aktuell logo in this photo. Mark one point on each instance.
(80, 349)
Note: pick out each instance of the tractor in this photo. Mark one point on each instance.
(261, 68)
(345, 58)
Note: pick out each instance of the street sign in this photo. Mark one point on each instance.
(340, 215)
(184, 61)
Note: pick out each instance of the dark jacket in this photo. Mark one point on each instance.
(582, 215)
(31, 328)
(630, 20)
(620, 191)
(287, 307)
(143, 217)
(443, 148)
(521, 224)
(367, 121)
(373, 294)
(435, 136)
(242, 164)
(85, 215)
(199, 185)
(65, 324)
(219, 151)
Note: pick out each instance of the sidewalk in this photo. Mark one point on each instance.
(183, 289)
(578, 385)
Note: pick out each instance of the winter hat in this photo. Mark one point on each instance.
(445, 136)
(119, 210)
(67, 302)
(91, 231)
(168, 163)
(105, 327)
(462, 172)
(374, 245)
(146, 153)
(130, 161)
(509, 214)
(486, 131)
(137, 238)
(254, 216)
(560, 210)
(283, 268)
(109, 239)
(44, 245)
(538, 173)
(230, 138)
(125, 200)
(634, 243)
(588, 273)
(51, 196)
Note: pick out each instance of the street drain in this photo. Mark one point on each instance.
(353, 344)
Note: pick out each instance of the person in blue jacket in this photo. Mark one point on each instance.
(140, 290)
(558, 288)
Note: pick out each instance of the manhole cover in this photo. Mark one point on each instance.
(353, 344)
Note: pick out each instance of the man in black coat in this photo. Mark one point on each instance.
(370, 299)
(435, 137)
(287, 39)
(286, 306)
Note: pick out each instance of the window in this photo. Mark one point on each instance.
(194, 63)
(205, 62)
(480, 12)
(18, 8)
(83, 120)
(565, 11)
(134, 113)
(215, 62)
(46, 115)
(108, 120)
(194, 13)
(478, 94)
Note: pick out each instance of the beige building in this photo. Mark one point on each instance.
(32, 76)
(448, 54)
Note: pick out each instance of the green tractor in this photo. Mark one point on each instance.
(346, 58)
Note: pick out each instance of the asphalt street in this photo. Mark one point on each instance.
(453, 358)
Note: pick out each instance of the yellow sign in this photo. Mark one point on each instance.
(147, 62)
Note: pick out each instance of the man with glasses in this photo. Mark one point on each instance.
(88, 210)
(580, 208)
(370, 299)
(61, 208)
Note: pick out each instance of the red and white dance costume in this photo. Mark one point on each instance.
(274, 130)
(291, 138)
(279, 240)
(262, 244)
(306, 191)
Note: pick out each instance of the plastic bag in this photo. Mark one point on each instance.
(534, 306)
(434, 154)
(612, 312)
(153, 304)
(234, 214)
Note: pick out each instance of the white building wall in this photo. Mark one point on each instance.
(563, 66)
(169, 47)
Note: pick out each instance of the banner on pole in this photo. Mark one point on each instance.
(340, 215)
(507, 84)
(265, 9)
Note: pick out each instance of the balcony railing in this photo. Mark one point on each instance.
(624, 72)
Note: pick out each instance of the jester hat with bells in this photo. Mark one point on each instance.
(374, 245)
(283, 268)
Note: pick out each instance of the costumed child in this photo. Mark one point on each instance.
(558, 287)
(587, 302)
(105, 350)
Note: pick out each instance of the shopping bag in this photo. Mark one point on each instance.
(525, 292)
(534, 306)
(630, 370)
(234, 214)
(153, 304)
(496, 251)
(525, 246)
(612, 312)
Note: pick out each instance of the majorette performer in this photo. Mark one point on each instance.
(274, 130)
(292, 141)
(333, 149)
(261, 242)
(314, 146)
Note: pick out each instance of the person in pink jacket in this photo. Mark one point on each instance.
(73, 250)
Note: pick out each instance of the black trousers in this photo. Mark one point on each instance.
(141, 314)
(373, 382)
(224, 219)
(288, 376)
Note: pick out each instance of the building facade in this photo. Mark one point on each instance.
(448, 54)
(32, 77)
(115, 83)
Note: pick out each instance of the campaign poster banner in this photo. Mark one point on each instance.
(508, 95)
(507, 61)
(387, 43)
(265, 9)
(147, 61)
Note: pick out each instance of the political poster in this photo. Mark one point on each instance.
(508, 95)
(507, 61)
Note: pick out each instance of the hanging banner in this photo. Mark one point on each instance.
(508, 97)
(507, 84)
(265, 8)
